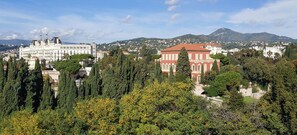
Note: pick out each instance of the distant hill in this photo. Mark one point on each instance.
(228, 35)
(16, 42)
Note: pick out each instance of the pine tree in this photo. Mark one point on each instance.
(171, 75)
(2, 76)
(47, 97)
(158, 72)
(215, 67)
(183, 69)
(202, 75)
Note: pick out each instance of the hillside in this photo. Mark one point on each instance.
(227, 37)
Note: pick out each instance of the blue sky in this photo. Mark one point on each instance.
(111, 20)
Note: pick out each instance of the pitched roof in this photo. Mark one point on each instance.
(188, 47)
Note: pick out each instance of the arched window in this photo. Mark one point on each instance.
(193, 67)
(199, 67)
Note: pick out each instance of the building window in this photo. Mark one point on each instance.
(190, 56)
(193, 67)
(176, 56)
(196, 56)
(199, 67)
(200, 57)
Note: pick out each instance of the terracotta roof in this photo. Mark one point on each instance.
(188, 47)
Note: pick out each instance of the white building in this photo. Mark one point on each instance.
(272, 52)
(53, 50)
(214, 48)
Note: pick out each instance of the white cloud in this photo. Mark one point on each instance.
(279, 13)
(174, 17)
(212, 1)
(277, 17)
(171, 8)
(171, 2)
(127, 19)
(211, 16)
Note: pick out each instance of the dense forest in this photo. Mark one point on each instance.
(130, 95)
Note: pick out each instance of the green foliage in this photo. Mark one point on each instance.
(71, 66)
(2, 75)
(202, 76)
(162, 108)
(183, 69)
(171, 75)
(47, 97)
(80, 57)
(291, 52)
(223, 59)
(235, 101)
(98, 115)
(258, 70)
(224, 82)
(215, 67)
(92, 86)
(158, 72)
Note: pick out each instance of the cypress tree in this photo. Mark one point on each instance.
(171, 75)
(2, 76)
(47, 96)
(22, 79)
(215, 67)
(62, 91)
(202, 75)
(11, 70)
(81, 93)
(94, 82)
(71, 95)
(38, 87)
(10, 98)
(158, 72)
(183, 69)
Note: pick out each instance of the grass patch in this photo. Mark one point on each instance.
(249, 100)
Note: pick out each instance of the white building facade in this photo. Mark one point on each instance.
(54, 50)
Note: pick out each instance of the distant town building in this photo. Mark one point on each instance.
(273, 52)
(54, 50)
(101, 54)
(198, 56)
(214, 48)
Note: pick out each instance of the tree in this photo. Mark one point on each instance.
(99, 115)
(166, 108)
(71, 66)
(183, 69)
(224, 82)
(258, 70)
(2, 75)
(171, 75)
(158, 72)
(36, 89)
(235, 101)
(279, 104)
(94, 88)
(202, 75)
(71, 95)
(47, 97)
(215, 67)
